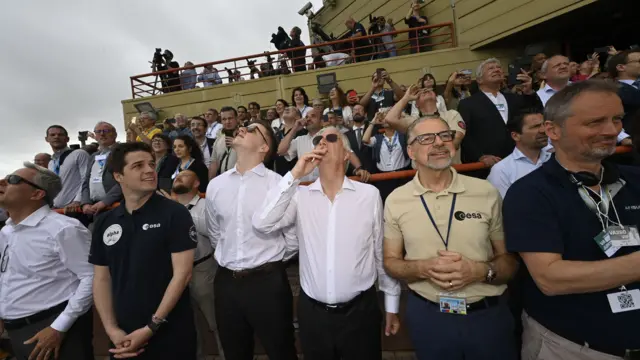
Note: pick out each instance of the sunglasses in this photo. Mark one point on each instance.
(254, 128)
(16, 179)
(105, 131)
(331, 138)
(430, 138)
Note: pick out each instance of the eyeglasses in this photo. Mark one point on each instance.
(4, 262)
(17, 179)
(430, 138)
(253, 128)
(329, 138)
(105, 131)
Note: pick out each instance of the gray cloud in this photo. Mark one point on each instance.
(68, 62)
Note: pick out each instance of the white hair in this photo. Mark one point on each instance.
(343, 138)
(147, 114)
(105, 123)
(47, 180)
(480, 68)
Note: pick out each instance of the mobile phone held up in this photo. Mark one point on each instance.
(514, 70)
(603, 49)
(464, 73)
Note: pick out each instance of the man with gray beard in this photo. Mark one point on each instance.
(456, 263)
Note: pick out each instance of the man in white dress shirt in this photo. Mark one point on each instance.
(45, 278)
(557, 74)
(528, 133)
(339, 227)
(252, 290)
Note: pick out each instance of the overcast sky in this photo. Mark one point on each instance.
(68, 62)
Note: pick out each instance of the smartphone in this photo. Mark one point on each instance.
(171, 121)
(603, 49)
(514, 70)
(379, 72)
(465, 72)
(228, 133)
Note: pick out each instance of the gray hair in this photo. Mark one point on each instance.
(343, 137)
(148, 114)
(411, 128)
(480, 68)
(558, 108)
(105, 123)
(545, 64)
(47, 180)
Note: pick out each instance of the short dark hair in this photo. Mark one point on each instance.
(229, 108)
(620, 58)
(198, 118)
(516, 123)
(272, 142)
(166, 139)
(194, 149)
(213, 111)
(59, 127)
(242, 107)
(283, 101)
(116, 161)
(255, 104)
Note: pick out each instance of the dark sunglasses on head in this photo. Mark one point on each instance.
(17, 179)
(329, 138)
(254, 128)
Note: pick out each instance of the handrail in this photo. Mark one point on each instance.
(137, 80)
(403, 174)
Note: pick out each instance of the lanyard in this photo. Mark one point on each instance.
(56, 166)
(392, 144)
(453, 206)
(185, 168)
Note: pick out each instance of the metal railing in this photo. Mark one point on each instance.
(403, 174)
(288, 61)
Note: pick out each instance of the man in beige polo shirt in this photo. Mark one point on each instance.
(456, 263)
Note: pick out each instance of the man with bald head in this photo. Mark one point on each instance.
(100, 189)
(45, 292)
(42, 159)
(361, 48)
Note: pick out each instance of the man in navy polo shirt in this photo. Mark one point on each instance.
(574, 223)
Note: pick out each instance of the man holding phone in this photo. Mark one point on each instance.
(378, 97)
(223, 157)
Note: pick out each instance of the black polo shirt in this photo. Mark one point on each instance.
(384, 99)
(543, 212)
(137, 249)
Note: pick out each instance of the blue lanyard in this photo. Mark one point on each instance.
(391, 145)
(185, 168)
(453, 206)
(56, 166)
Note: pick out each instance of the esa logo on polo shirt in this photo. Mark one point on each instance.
(150, 226)
(461, 215)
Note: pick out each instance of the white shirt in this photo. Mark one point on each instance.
(231, 201)
(213, 129)
(340, 241)
(305, 110)
(335, 59)
(513, 167)
(546, 93)
(73, 173)
(390, 160)
(46, 264)
(206, 155)
(298, 147)
(347, 113)
(277, 124)
(501, 104)
(197, 209)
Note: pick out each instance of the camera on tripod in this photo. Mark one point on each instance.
(161, 59)
(281, 40)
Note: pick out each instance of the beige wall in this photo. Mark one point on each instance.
(404, 70)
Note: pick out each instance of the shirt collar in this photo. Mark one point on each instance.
(547, 88)
(346, 184)
(121, 210)
(33, 219)
(356, 127)
(258, 170)
(456, 185)
(195, 200)
(628, 82)
(518, 155)
(57, 154)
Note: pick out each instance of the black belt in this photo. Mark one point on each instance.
(339, 308)
(201, 260)
(264, 268)
(16, 324)
(484, 303)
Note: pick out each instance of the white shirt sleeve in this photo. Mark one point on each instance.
(388, 285)
(72, 244)
(280, 207)
(292, 151)
(498, 178)
(212, 223)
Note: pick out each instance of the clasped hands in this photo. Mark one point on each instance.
(451, 271)
(129, 345)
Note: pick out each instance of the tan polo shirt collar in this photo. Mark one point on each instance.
(456, 185)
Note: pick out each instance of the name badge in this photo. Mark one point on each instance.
(453, 304)
(96, 180)
(501, 107)
(621, 236)
(604, 242)
(101, 157)
(624, 301)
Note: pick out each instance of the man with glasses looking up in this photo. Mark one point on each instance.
(253, 295)
(45, 278)
(443, 235)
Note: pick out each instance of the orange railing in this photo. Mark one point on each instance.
(410, 173)
(151, 83)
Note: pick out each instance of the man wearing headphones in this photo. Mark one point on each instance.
(574, 221)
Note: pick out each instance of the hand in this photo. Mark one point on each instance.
(612, 51)
(91, 135)
(391, 324)
(48, 342)
(379, 118)
(424, 266)
(299, 125)
(72, 207)
(457, 274)
(413, 93)
(626, 142)
(364, 175)
(87, 209)
(453, 77)
(117, 336)
(489, 160)
(99, 206)
(133, 344)
(308, 162)
(527, 82)
(386, 77)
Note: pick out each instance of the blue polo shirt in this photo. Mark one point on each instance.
(543, 212)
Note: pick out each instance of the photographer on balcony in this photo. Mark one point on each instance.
(361, 48)
(297, 57)
(417, 38)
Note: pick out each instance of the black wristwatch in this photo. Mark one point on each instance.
(155, 323)
(491, 273)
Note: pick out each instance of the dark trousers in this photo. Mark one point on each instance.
(259, 303)
(350, 335)
(484, 334)
(76, 345)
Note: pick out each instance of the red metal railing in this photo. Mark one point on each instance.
(230, 69)
(410, 173)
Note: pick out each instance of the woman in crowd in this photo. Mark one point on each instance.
(352, 98)
(166, 162)
(429, 82)
(300, 100)
(280, 106)
(456, 89)
(339, 102)
(190, 157)
(418, 39)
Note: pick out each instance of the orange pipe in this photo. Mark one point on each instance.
(408, 173)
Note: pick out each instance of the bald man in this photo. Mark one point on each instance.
(42, 159)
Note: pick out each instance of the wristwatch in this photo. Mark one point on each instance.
(155, 323)
(491, 273)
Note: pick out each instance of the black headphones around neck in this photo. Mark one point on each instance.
(609, 175)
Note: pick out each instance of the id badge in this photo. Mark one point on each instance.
(604, 242)
(96, 180)
(452, 304)
(501, 107)
(624, 301)
(101, 157)
(623, 235)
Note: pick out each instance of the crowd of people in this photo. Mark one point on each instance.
(532, 254)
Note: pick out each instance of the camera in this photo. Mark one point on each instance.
(281, 39)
